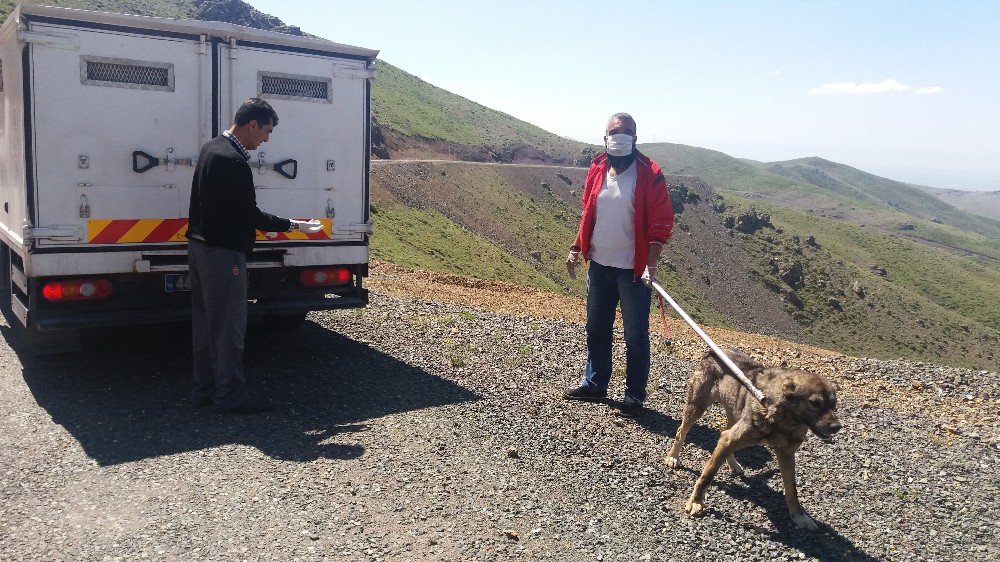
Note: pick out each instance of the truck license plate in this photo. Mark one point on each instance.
(176, 282)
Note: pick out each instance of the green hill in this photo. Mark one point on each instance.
(840, 192)
(418, 119)
(869, 187)
(867, 292)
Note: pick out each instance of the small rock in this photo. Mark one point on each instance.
(512, 535)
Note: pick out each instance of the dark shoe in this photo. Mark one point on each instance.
(201, 402)
(631, 407)
(585, 393)
(251, 406)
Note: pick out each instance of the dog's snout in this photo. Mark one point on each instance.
(834, 426)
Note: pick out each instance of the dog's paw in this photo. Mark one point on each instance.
(736, 468)
(803, 521)
(672, 462)
(693, 508)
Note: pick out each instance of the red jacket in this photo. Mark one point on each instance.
(654, 217)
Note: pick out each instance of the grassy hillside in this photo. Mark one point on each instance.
(527, 214)
(441, 122)
(929, 304)
(429, 240)
(898, 195)
(511, 223)
(839, 192)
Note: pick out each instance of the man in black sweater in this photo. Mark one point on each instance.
(223, 220)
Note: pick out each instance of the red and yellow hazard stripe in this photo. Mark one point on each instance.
(141, 231)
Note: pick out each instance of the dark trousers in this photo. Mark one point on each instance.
(218, 323)
(606, 287)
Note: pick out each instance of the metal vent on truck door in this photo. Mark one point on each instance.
(122, 73)
(293, 87)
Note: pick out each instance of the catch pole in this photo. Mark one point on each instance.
(715, 349)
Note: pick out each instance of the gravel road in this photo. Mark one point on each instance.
(420, 430)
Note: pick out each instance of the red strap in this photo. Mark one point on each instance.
(663, 316)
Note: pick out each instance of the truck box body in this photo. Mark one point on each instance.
(103, 117)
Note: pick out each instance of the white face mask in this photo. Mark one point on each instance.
(620, 144)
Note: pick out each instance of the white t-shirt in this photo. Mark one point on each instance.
(613, 241)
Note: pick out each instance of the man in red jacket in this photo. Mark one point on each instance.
(627, 218)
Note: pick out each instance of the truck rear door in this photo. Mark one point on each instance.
(322, 106)
(106, 113)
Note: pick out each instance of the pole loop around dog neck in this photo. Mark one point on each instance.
(746, 382)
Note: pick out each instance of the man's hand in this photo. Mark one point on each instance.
(648, 276)
(571, 261)
(312, 226)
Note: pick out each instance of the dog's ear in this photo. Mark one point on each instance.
(789, 388)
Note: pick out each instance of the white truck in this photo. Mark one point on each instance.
(103, 116)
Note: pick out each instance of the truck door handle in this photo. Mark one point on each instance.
(151, 162)
(171, 161)
(280, 168)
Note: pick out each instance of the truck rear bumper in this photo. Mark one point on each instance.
(95, 319)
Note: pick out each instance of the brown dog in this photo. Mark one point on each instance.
(799, 401)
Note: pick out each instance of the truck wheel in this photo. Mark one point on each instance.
(282, 323)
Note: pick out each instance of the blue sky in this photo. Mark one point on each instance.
(907, 90)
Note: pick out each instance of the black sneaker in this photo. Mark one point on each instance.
(251, 406)
(585, 393)
(631, 407)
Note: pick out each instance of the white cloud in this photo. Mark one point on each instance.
(850, 88)
(928, 90)
(775, 73)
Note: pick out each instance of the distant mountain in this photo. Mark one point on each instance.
(836, 191)
(866, 187)
(982, 203)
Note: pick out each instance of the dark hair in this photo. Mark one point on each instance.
(256, 109)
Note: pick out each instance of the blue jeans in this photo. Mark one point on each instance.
(606, 286)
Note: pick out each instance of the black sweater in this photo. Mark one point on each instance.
(223, 208)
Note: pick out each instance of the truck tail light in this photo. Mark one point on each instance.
(77, 290)
(325, 276)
